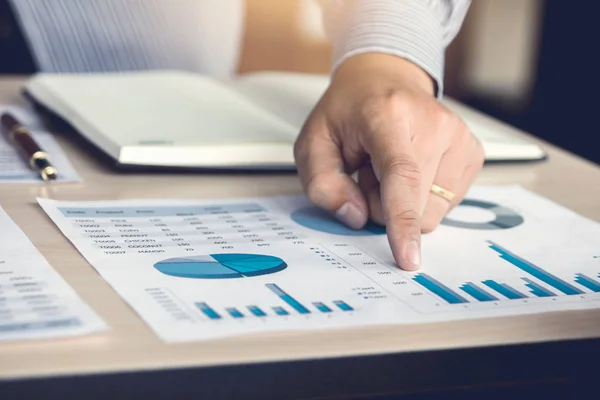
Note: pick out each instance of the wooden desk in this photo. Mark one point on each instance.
(131, 359)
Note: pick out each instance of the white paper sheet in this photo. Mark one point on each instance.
(206, 269)
(13, 167)
(35, 302)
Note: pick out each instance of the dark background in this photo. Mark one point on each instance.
(564, 102)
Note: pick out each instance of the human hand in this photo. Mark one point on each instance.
(380, 119)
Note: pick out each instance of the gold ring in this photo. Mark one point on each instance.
(443, 193)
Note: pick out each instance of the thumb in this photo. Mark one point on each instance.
(321, 168)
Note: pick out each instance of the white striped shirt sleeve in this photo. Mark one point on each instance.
(417, 30)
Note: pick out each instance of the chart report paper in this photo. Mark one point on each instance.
(213, 268)
(35, 302)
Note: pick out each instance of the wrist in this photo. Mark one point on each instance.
(391, 67)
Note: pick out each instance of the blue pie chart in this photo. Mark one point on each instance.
(504, 218)
(221, 266)
(320, 220)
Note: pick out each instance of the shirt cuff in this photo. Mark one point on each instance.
(405, 28)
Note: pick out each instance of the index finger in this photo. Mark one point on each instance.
(395, 166)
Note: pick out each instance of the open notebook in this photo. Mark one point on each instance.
(179, 119)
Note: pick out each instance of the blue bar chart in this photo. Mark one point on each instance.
(535, 271)
(234, 312)
(537, 289)
(539, 283)
(322, 307)
(588, 282)
(478, 293)
(343, 306)
(208, 311)
(292, 302)
(280, 311)
(257, 311)
(504, 289)
(439, 289)
(254, 310)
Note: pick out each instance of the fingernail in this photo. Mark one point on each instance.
(350, 215)
(413, 254)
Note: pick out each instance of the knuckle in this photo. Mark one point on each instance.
(385, 107)
(478, 153)
(299, 149)
(302, 145)
(446, 118)
(443, 124)
(316, 187)
(310, 130)
(464, 138)
(402, 166)
(408, 217)
(398, 100)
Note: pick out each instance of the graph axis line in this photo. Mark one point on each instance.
(393, 270)
(371, 279)
(185, 306)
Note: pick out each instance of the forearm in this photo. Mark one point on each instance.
(416, 30)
